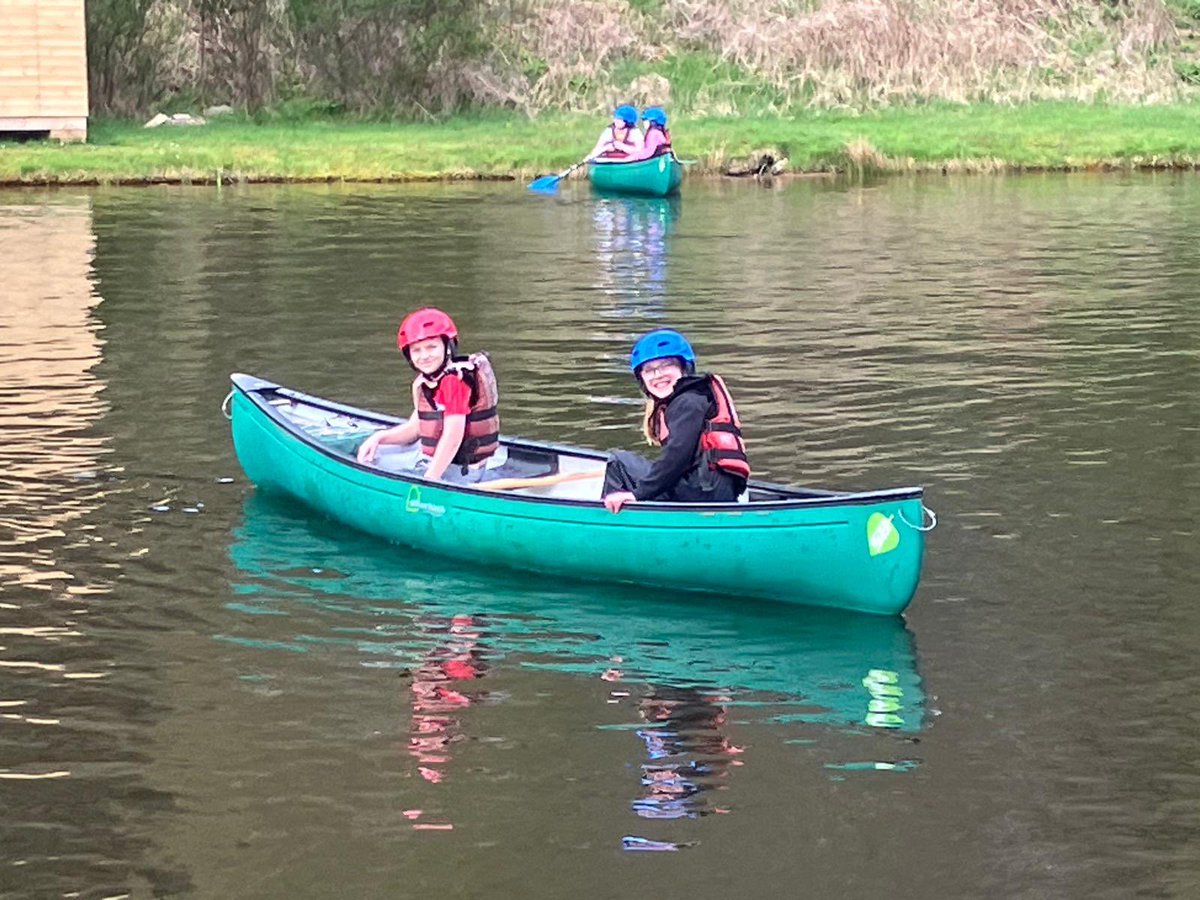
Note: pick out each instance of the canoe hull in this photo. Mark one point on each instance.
(657, 177)
(812, 552)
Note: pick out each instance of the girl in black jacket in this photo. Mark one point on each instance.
(693, 419)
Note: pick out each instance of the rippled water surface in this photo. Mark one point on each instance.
(207, 692)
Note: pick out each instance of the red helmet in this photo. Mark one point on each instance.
(425, 323)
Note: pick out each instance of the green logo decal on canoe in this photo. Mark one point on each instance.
(413, 504)
(882, 535)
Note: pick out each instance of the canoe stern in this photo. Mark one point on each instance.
(656, 177)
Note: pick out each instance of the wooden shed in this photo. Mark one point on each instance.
(43, 68)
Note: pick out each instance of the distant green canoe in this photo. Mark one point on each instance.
(856, 551)
(656, 177)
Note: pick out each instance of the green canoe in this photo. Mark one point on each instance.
(856, 551)
(656, 177)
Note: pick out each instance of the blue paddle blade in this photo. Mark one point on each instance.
(547, 184)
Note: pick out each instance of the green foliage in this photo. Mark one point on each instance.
(1188, 71)
(702, 81)
(187, 100)
(373, 54)
(359, 54)
(299, 108)
(652, 8)
(1186, 9)
(289, 59)
(532, 67)
(119, 57)
(1088, 42)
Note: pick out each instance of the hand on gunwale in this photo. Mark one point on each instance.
(614, 501)
(366, 453)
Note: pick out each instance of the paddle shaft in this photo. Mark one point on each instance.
(550, 182)
(510, 484)
(571, 169)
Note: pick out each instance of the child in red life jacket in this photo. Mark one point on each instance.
(621, 140)
(693, 419)
(454, 428)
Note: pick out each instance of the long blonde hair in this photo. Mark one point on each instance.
(648, 422)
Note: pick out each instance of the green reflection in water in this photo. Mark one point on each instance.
(837, 669)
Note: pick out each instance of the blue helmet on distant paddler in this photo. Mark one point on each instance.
(626, 114)
(655, 116)
(662, 344)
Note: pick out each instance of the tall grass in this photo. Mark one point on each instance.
(718, 57)
(872, 53)
(723, 57)
(880, 52)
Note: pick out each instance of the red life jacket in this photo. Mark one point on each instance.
(482, 436)
(613, 152)
(721, 441)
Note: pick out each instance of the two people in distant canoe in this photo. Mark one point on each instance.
(693, 419)
(454, 429)
(623, 141)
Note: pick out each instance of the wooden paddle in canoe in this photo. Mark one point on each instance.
(513, 484)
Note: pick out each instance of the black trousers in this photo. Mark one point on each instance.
(625, 469)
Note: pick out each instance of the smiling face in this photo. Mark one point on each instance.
(428, 355)
(659, 376)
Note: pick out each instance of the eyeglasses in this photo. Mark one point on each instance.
(650, 369)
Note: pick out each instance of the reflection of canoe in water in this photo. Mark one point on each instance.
(845, 550)
(828, 667)
(656, 177)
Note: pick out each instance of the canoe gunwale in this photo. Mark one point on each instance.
(254, 389)
(610, 163)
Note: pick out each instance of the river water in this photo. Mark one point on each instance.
(207, 692)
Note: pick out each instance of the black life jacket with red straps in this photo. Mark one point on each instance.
(623, 138)
(482, 435)
(721, 444)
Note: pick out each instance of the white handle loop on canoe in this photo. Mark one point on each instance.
(225, 406)
(925, 511)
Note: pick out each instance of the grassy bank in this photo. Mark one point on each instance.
(939, 138)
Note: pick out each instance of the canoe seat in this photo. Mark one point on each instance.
(520, 464)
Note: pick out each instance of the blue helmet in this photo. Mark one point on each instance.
(626, 114)
(655, 115)
(662, 344)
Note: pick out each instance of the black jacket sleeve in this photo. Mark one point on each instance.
(686, 415)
